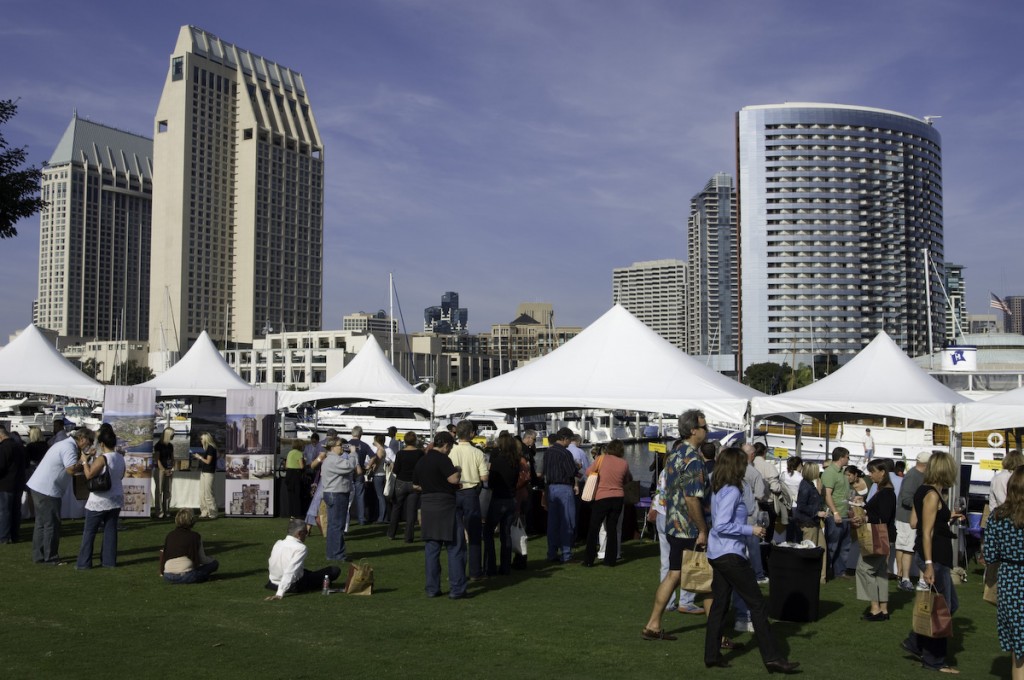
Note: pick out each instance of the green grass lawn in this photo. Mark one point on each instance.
(548, 621)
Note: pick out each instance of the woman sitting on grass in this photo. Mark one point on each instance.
(183, 559)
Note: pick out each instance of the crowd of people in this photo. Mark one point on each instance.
(884, 523)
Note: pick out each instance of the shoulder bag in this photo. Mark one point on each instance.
(100, 482)
(590, 488)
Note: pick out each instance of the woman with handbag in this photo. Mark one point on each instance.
(103, 473)
(502, 509)
(730, 567)
(1004, 544)
(873, 568)
(607, 505)
(933, 554)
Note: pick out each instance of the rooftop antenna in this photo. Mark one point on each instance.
(929, 119)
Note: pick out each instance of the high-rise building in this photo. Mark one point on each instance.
(94, 234)
(957, 323)
(838, 206)
(654, 292)
(448, 318)
(238, 208)
(712, 311)
(1014, 321)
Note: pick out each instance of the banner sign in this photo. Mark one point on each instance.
(130, 411)
(250, 450)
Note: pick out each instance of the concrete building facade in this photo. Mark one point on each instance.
(238, 210)
(957, 322)
(837, 207)
(655, 293)
(94, 234)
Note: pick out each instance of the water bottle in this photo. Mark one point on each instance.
(327, 585)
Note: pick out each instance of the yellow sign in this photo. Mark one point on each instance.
(781, 452)
(657, 447)
(991, 464)
(480, 441)
(544, 442)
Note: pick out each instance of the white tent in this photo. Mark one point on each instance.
(615, 363)
(202, 372)
(31, 364)
(1003, 411)
(368, 377)
(880, 380)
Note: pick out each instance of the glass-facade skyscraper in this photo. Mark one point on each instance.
(711, 290)
(838, 207)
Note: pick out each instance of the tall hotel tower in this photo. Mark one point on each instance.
(94, 235)
(711, 290)
(839, 207)
(238, 202)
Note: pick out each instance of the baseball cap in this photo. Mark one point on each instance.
(924, 455)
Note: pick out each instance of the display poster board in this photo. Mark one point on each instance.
(251, 447)
(130, 411)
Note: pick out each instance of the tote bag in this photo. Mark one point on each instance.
(696, 572)
(873, 540)
(931, 615)
(590, 488)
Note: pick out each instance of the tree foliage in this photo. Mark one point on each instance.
(18, 188)
(772, 378)
(131, 373)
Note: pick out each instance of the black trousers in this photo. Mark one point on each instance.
(311, 580)
(732, 572)
(604, 510)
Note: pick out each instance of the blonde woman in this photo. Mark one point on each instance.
(934, 554)
(207, 467)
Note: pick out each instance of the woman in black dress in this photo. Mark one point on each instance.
(502, 480)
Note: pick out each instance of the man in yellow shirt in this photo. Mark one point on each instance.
(470, 461)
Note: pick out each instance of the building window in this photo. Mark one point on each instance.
(161, 126)
(177, 68)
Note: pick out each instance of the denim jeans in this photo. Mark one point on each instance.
(337, 509)
(358, 498)
(108, 552)
(754, 555)
(46, 535)
(561, 522)
(933, 650)
(382, 502)
(456, 563)
(837, 538)
(197, 575)
(467, 508)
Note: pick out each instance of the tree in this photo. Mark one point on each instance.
(131, 373)
(92, 368)
(18, 188)
(768, 377)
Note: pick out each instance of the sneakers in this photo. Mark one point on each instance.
(906, 585)
(923, 585)
(689, 608)
(763, 581)
(744, 626)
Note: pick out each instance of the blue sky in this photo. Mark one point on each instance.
(519, 151)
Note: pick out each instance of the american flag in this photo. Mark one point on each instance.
(996, 303)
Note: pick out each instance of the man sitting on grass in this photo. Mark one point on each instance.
(287, 571)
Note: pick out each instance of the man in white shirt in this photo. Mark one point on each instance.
(287, 564)
(869, 446)
(47, 486)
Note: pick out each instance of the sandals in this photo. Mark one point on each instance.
(648, 634)
(952, 670)
(728, 644)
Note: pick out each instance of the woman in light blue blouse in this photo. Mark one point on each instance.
(730, 566)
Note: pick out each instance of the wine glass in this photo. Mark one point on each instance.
(960, 508)
(761, 519)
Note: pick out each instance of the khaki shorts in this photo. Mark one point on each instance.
(905, 537)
